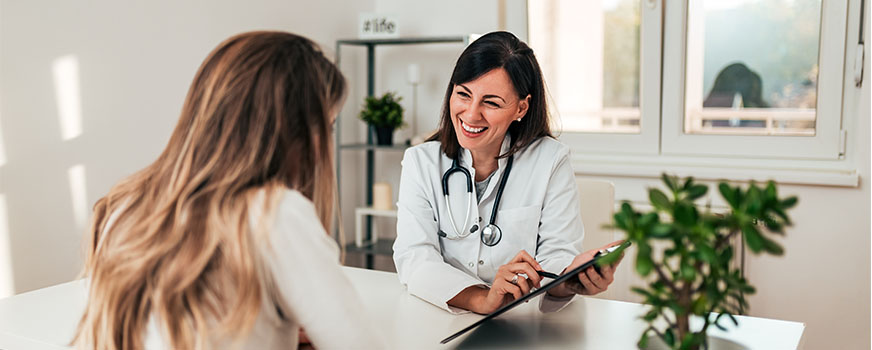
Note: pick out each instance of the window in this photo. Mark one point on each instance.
(597, 43)
(749, 72)
(740, 78)
(601, 61)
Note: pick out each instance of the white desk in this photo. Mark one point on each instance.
(47, 318)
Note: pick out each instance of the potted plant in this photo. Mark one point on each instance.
(383, 114)
(693, 275)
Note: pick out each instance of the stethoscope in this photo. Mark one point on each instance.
(491, 234)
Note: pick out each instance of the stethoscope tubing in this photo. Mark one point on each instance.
(460, 233)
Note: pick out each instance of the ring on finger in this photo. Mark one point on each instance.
(514, 279)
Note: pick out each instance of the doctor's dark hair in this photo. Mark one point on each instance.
(179, 240)
(491, 51)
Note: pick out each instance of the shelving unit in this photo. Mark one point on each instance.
(375, 247)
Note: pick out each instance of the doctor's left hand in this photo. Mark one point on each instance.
(589, 282)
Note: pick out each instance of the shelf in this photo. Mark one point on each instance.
(375, 212)
(367, 212)
(363, 146)
(403, 41)
(364, 216)
(380, 247)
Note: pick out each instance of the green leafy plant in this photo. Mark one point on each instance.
(383, 112)
(693, 274)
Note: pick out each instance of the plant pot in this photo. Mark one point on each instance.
(384, 136)
(714, 343)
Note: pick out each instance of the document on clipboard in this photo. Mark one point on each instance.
(562, 278)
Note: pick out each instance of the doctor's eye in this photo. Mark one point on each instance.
(463, 94)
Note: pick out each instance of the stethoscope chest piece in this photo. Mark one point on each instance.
(491, 235)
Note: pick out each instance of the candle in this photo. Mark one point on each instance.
(382, 196)
(414, 74)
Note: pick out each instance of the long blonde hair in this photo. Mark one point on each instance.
(180, 246)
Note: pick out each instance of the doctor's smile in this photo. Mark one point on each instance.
(472, 131)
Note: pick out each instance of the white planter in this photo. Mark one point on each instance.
(714, 343)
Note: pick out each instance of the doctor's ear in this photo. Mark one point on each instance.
(523, 106)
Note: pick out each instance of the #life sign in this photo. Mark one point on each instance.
(377, 26)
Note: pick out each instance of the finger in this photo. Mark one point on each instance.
(523, 256)
(589, 287)
(510, 289)
(608, 274)
(526, 269)
(524, 284)
(597, 279)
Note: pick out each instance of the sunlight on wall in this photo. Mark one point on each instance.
(76, 176)
(66, 80)
(6, 282)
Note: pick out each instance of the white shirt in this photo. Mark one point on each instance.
(539, 212)
(304, 261)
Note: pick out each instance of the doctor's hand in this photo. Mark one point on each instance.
(504, 290)
(589, 281)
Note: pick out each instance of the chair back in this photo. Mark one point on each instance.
(597, 199)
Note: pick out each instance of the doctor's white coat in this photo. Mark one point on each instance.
(539, 212)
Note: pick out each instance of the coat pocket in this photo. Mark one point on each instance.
(520, 228)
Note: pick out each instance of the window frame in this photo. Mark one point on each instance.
(824, 145)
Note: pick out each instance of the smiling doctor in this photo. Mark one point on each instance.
(491, 198)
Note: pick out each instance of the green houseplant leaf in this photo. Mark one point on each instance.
(691, 271)
(384, 111)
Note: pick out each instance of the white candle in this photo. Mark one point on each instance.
(382, 196)
(414, 74)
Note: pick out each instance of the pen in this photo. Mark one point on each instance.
(548, 274)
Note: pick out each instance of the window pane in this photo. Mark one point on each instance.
(752, 67)
(589, 53)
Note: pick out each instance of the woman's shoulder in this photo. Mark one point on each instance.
(428, 153)
(288, 206)
(293, 215)
(426, 147)
(293, 200)
(283, 197)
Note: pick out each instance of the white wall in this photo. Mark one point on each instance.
(135, 63)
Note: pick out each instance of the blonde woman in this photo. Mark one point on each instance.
(222, 242)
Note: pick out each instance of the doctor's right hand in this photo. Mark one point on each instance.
(510, 282)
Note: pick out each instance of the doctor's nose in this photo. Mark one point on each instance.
(472, 112)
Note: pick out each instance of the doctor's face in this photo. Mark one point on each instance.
(482, 110)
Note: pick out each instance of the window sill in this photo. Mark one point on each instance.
(795, 172)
